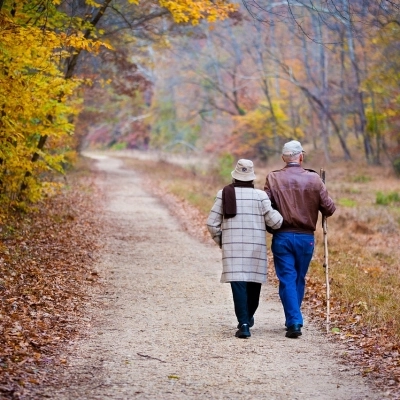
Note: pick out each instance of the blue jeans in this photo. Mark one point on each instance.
(246, 296)
(292, 255)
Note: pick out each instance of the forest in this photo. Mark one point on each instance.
(215, 77)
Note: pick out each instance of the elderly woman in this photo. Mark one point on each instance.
(237, 223)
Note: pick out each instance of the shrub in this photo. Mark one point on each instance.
(385, 199)
(119, 146)
(226, 163)
(345, 202)
(396, 166)
(361, 179)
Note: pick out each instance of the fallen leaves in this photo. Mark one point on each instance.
(374, 350)
(46, 263)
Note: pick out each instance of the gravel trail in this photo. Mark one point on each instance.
(165, 325)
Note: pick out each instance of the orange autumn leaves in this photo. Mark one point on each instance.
(44, 279)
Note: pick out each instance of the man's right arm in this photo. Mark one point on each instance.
(326, 204)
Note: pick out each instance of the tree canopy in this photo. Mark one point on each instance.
(142, 74)
(43, 50)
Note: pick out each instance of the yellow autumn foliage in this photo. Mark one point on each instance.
(38, 100)
(195, 10)
(381, 87)
(36, 104)
(255, 131)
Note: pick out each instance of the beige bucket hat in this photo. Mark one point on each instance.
(244, 170)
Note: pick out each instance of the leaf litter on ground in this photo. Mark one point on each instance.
(47, 258)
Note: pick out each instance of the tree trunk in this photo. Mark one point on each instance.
(265, 85)
(274, 51)
(377, 132)
(73, 60)
(357, 73)
(343, 113)
(35, 157)
(320, 104)
(311, 81)
(323, 85)
(71, 65)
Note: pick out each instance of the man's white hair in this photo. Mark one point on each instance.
(291, 157)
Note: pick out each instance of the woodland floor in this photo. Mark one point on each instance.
(159, 325)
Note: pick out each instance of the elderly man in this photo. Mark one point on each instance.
(298, 194)
(237, 224)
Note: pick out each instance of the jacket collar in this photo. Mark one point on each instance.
(293, 164)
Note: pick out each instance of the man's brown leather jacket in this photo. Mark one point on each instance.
(298, 194)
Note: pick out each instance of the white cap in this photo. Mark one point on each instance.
(292, 148)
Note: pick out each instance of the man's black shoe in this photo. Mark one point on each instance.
(251, 323)
(286, 328)
(243, 332)
(293, 331)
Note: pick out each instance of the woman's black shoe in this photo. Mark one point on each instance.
(243, 332)
(251, 323)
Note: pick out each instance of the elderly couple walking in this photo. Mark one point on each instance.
(238, 220)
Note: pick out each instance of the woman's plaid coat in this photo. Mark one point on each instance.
(244, 248)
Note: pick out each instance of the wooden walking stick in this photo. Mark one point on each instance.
(326, 265)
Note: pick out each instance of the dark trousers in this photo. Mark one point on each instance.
(246, 296)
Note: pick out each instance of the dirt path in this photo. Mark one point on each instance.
(165, 328)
